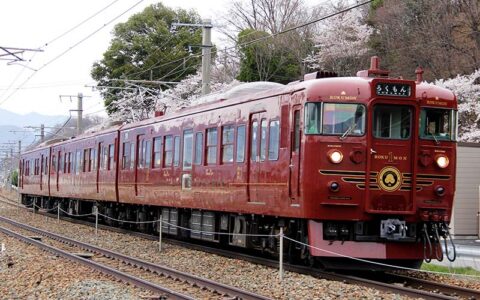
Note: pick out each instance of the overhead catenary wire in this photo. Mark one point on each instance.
(69, 49)
(52, 41)
(331, 15)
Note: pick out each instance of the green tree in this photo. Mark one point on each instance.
(14, 175)
(266, 60)
(142, 48)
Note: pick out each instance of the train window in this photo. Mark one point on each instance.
(176, 156)
(187, 149)
(140, 153)
(296, 135)
(212, 139)
(86, 160)
(148, 154)
(60, 162)
(132, 156)
(78, 162)
(168, 151)
(313, 112)
(343, 119)
(54, 164)
(198, 148)
(253, 145)
(45, 170)
(274, 140)
(126, 155)
(157, 152)
(93, 159)
(227, 144)
(111, 152)
(240, 143)
(263, 140)
(392, 121)
(438, 124)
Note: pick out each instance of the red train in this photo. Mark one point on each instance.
(357, 166)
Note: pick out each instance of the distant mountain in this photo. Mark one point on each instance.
(10, 121)
(32, 119)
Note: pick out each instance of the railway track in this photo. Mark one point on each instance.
(105, 261)
(388, 282)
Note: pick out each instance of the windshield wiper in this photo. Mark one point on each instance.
(348, 131)
(434, 137)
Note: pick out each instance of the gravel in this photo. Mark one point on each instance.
(26, 272)
(242, 274)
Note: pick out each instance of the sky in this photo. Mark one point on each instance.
(37, 24)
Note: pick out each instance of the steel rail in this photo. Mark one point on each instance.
(451, 291)
(162, 270)
(104, 269)
(441, 287)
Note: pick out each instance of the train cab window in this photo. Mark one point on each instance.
(176, 154)
(148, 154)
(296, 135)
(198, 148)
(263, 140)
(45, 169)
(274, 140)
(313, 112)
(212, 139)
(438, 124)
(168, 151)
(157, 152)
(140, 153)
(187, 149)
(60, 162)
(227, 144)
(240, 153)
(111, 152)
(392, 121)
(343, 119)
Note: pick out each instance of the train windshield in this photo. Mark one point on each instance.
(392, 121)
(438, 124)
(334, 119)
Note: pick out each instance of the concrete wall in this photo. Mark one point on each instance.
(466, 206)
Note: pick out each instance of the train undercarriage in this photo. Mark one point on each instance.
(256, 232)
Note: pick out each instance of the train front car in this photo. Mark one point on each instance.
(380, 176)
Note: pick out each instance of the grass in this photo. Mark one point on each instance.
(462, 270)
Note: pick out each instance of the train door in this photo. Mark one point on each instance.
(58, 167)
(41, 172)
(140, 168)
(392, 186)
(296, 137)
(187, 159)
(254, 178)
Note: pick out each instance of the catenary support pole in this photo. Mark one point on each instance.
(58, 212)
(79, 113)
(206, 55)
(281, 254)
(160, 226)
(96, 219)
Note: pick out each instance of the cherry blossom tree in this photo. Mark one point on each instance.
(467, 90)
(341, 43)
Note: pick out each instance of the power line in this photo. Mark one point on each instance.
(262, 38)
(69, 49)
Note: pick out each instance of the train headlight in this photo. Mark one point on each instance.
(335, 156)
(442, 161)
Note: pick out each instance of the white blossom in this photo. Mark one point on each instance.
(467, 90)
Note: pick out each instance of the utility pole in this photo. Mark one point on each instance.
(42, 133)
(206, 51)
(10, 181)
(79, 113)
(206, 55)
(19, 147)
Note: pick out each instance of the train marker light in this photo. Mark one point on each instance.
(335, 156)
(440, 190)
(334, 186)
(442, 161)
